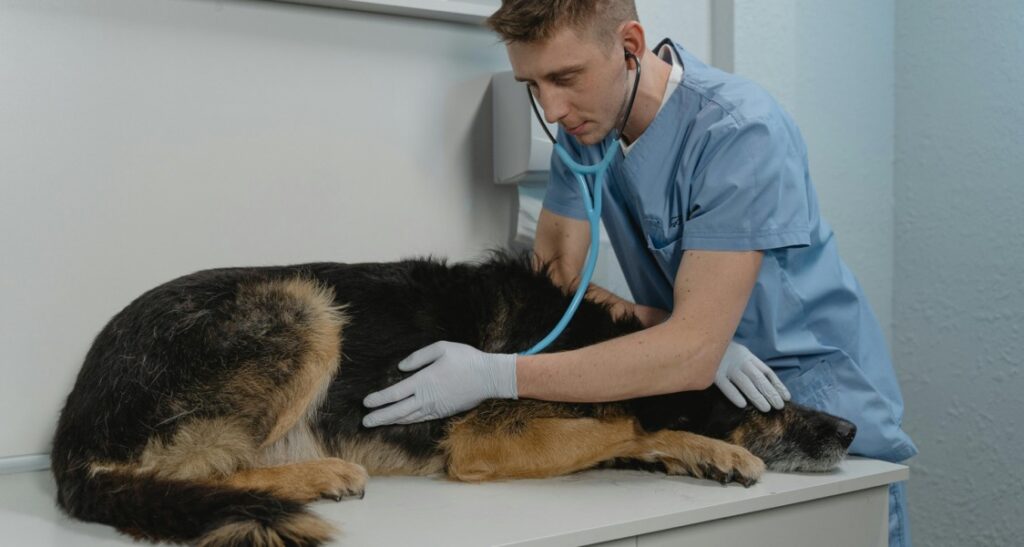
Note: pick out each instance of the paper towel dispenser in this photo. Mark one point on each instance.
(522, 151)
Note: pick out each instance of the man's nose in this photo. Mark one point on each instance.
(553, 103)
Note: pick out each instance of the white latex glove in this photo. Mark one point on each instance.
(458, 378)
(743, 370)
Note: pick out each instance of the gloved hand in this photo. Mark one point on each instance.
(741, 369)
(458, 378)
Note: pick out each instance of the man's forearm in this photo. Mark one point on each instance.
(649, 362)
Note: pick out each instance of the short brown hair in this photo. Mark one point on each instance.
(537, 20)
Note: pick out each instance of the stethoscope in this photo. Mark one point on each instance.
(591, 201)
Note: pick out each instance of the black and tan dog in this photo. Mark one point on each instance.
(214, 407)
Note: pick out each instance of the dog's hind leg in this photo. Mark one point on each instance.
(238, 458)
(545, 447)
(289, 459)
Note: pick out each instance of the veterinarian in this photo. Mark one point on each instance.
(711, 211)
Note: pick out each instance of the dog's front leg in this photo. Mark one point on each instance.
(546, 447)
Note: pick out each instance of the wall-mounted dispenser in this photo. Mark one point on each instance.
(522, 151)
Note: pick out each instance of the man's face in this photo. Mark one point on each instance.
(579, 83)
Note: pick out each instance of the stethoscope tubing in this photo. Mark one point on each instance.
(592, 204)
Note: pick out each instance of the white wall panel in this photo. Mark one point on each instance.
(145, 139)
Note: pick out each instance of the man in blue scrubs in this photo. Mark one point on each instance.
(711, 211)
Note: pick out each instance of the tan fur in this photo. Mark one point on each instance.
(305, 481)
(547, 447)
(204, 448)
(321, 359)
(495, 331)
(298, 445)
(306, 526)
(758, 426)
(738, 436)
(256, 534)
(685, 453)
(381, 458)
(199, 449)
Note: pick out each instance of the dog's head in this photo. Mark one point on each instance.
(795, 438)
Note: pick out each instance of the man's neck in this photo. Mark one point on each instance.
(654, 76)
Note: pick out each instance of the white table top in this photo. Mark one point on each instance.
(587, 507)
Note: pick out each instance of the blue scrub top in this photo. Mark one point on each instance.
(723, 167)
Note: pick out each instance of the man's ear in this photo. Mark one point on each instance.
(633, 40)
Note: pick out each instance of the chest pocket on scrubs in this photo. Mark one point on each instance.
(665, 243)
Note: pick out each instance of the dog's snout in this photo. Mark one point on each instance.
(846, 432)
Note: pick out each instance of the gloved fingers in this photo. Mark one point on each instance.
(743, 382)
(423, 356)
(731, 392)
(763, 385)
(391, 414)
(416, 416)
(774, 378)
(391, 394)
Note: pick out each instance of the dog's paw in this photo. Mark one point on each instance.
(725, 463)
(732, 463)
(341, 480)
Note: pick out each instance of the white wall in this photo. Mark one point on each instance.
(686, 21)
(959, 306)
(144, 139)
(830, 65)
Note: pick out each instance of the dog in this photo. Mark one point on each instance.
(214, 407)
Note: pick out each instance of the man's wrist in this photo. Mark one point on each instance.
(506, 386)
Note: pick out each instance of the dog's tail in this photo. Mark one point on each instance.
(201, 513)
